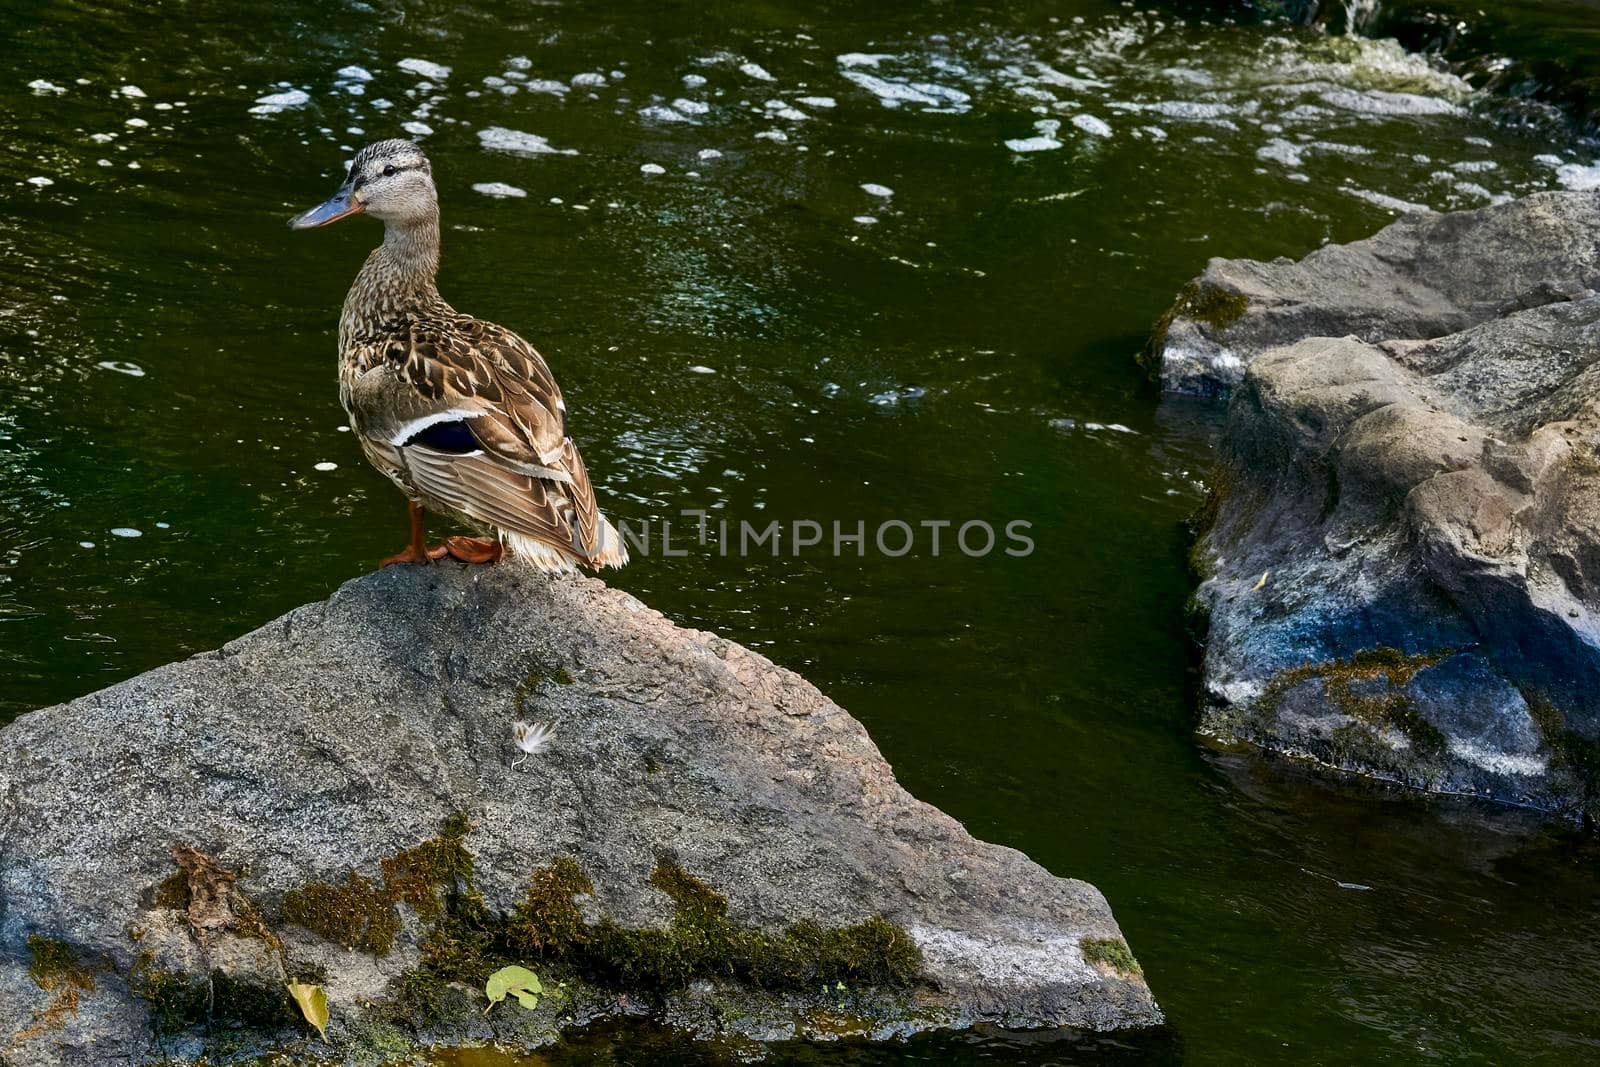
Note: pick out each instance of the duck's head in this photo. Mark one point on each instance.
(389, 180)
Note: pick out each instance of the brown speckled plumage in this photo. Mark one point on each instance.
(408, 361)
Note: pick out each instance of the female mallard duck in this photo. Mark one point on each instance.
(461, 414)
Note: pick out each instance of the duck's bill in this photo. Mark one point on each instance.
(340, 205)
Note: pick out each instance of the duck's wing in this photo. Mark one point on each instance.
(479, 424)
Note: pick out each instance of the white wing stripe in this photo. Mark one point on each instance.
(416, 426)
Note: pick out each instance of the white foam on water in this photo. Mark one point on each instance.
(126, 531)
(662, 113)
(1386, 201)
(756, 71)
(273, 103)
(1545, 159)
(517, 143)
(520, 63)
(1091, 125)
(500, 189)
(426, 68)
(874, 189)
(417, 129)
(39, 85)
(865, 220)
(701, 369)
(862, 59)
(708, 153)
(1044, 142)
(1475, 166)
(541, 85)
(1577, 177)
(773, 135)
(1278, 150)
(1381, 102)
(690, 107)
(652, 168)
(132, 91)
(823, 102)
(592, 79)
(325, 466)
(693, 81)
(355, 73)
(136, 122)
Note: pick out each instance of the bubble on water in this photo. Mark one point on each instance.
(102, 138)
(425, 68)
(700, 369)
(273, 103)
(126, 531)
(690, 107)
(756, 71)
(85, 544)
(517, 143)
(708, 153)
(325, 465)
(355, 73)
(1475, 166)
(39, 85)
(823, 102)
(41, 181)
(137, 123)
(103, 162)
(773, 135)
(865, 220)
(494, 189)
(780, 109)
(693, 81)
(542, 85)
(1545, 159)
(874, 189)
(588, 80)
(132, 370)
(382, 104)
(416, 129)
(652, 168)
(163, 525)
(132, 92)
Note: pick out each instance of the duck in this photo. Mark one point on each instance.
(463, 415)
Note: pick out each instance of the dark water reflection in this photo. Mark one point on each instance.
(755, 332)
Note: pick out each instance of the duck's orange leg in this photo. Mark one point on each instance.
(468, 549)
(417, 550)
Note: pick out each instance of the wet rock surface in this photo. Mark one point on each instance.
(1401, 553)
(337, 798)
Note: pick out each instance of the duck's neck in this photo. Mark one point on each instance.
(397, 280)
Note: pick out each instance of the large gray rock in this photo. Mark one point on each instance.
(1401, 558)
(1421, 277)
(165, 843)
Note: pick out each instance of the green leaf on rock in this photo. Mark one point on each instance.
(516, 981)
(313, 1004)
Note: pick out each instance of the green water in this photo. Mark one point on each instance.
(732, 337)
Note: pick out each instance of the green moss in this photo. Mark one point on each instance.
(1368, 687)
(1216, 308)
(418, 875)
(357, 914)
(251, 1003)
(1570, 752)
(526, 688)
(1112, 952)
(175, 1001)
(54, 966)
(172, 891)
(548, 922)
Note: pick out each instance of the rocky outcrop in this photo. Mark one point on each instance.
(337, 798)
(1424, 276)
(1401, 553)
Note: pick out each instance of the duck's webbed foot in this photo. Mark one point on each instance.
(469, 549)
(417, 550)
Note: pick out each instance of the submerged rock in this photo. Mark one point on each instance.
(337, 798)
(1401, 553)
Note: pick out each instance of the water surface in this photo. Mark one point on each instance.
(852, 263)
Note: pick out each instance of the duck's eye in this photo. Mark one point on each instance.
(388, 172)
